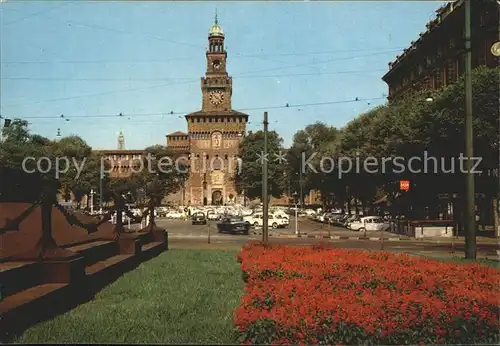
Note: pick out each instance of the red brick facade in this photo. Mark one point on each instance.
(123, 163)
(213, 135)
(436, 58)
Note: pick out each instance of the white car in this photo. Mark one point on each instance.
(174, 215)
(246, 212)
(309, 212)
(212, 215)
(321, 217)
(369, 223)
(275, 221)
(282, 214)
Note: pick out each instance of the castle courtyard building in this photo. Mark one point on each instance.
(213, 134)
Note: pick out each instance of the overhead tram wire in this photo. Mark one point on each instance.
(166, 60)
(237, 75)
(113, 30)
(172, 113)
(158, 38)
(314, 63)
(169, 40)
(96, 94)
(36, 13)
(190, 79)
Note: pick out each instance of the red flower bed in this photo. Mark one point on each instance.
(321, 295)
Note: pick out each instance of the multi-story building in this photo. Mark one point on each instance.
(436, 58)
(214, 134)
(122, 163)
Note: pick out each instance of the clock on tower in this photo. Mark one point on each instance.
(216, 85)
(214, 133)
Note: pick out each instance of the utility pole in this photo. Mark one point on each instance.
(296, 214)
(92, 201)
(495, 50)
(100, 192)
(300, 184)
(470, 212)
(265, 214)
(1, 128)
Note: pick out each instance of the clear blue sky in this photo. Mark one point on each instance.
(141, 59)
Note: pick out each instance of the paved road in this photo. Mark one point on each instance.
(304, 226)
(307, 228)
(184, 234)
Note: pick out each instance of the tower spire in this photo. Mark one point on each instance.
(121, 141)
(216, 20)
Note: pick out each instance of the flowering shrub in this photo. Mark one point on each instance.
(321, 295)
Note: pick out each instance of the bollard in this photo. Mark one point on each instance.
(208, 224)
(452, 243)
(382, 239)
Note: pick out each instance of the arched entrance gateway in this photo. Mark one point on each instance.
(214, 132)
(217, 198)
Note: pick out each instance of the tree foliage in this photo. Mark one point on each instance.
(249, 179)
(164, 173)
(408, 128)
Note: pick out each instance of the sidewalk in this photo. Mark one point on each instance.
(490, 258)
(388, 237)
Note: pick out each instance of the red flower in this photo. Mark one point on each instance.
(307, 291)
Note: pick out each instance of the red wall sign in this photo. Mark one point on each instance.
(404, 185)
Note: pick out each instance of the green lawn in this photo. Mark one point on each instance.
(491, 263)
(181, 296)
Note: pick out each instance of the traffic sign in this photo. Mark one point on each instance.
(404, 185)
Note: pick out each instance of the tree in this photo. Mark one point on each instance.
(164, 173)
(411, 126)
(249, 179)
(19, 147)
(84, 166)
(315, 142)
(407, 128)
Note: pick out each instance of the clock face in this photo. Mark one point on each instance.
(216, 97)
(216, 64)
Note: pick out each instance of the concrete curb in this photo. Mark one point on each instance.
(260, 233)
(336, 237)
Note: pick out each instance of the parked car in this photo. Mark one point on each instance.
(309, 212)
(281, 214)
(199, 219)
(275, 221)
(321, 217)
(349, 219)
(233, 224)
(161, 211)
(174, 215)
(369, 223)
(212, 215)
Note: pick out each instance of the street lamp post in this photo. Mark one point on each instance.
(470, 221)
(183, 191)
(265, 200)
(129, 199)
(295, 195)
(100, 192)
(300, 184)
(92, 193)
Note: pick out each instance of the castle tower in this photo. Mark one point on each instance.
(121, 141)
(215, 131)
